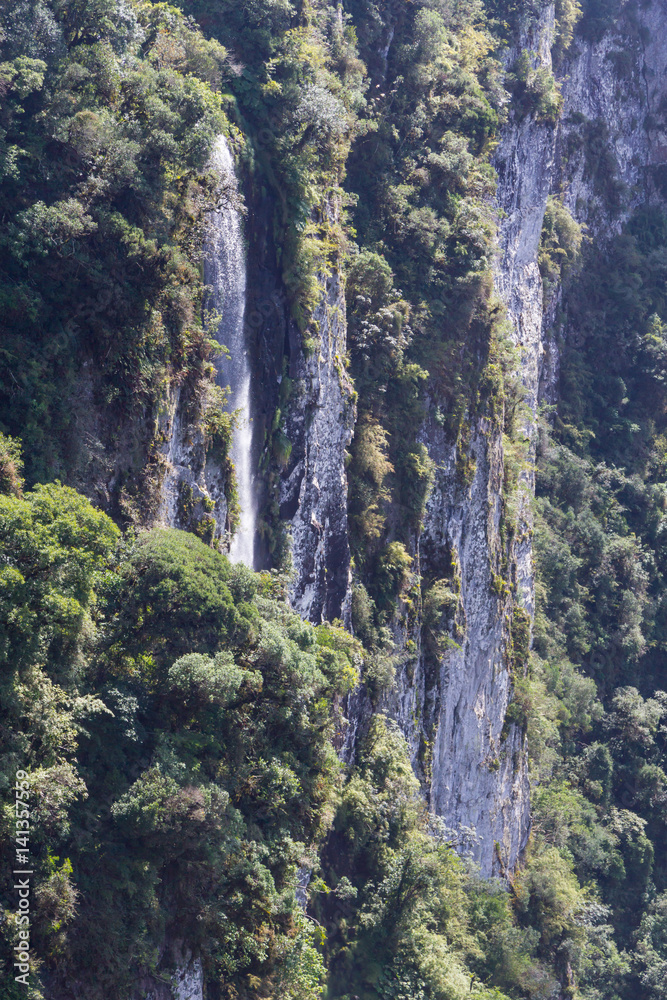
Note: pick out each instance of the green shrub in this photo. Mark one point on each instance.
(11, 466)
(560, 245)
(176, 720)
(535, 90)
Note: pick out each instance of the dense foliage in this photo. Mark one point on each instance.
(179, 723)
(596, 698)
(421, 316)
(107, 118)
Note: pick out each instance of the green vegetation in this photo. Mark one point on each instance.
(410, 920)
(560, 246)
(108, 115)
(423, 324)
(180, 725)
(534, 90)
(599, 16)
(296, 81)
(596, 697)
(176, 720)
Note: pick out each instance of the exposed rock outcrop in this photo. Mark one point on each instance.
(314, 491)
(453, 710)
(192, 496)
(475, 766)
(476, 770)
(186, 983)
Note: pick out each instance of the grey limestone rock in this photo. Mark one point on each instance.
(314, 493)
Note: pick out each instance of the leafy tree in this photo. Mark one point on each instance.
(175, 719)
(108, 118)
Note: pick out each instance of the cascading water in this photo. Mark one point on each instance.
(225, 272)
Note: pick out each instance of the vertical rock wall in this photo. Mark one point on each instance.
(193, 488)
(193, 485)
(314, 490)
(525, 165)
(475, 768)
(478, 779)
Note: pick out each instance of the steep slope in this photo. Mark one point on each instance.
(313, 493)
(478, 773)
(469, 750)
(390, 366)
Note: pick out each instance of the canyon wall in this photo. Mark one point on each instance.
(475, 769)
(471, 758)
(313, 493)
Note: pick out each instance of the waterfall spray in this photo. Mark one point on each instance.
(226, 274)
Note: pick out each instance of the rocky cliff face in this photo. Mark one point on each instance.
(524, 162)
(610, 148)
(476, 769)
(193, 483)
(453, 712)
(478, 779)
(318, 421)
(477, 774)
(186, 983)
(314, 489)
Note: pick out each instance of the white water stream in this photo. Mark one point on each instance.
(226, 274)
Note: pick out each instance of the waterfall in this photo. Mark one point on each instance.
(225, 272)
